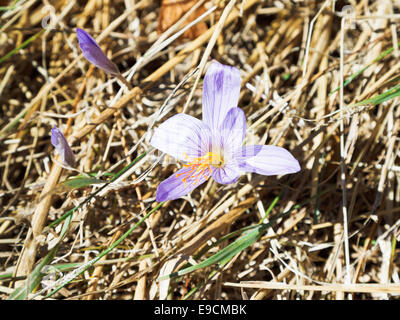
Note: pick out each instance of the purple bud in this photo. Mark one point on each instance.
(60, 143)
(92, 52)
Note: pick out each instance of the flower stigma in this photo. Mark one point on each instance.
(200, 165)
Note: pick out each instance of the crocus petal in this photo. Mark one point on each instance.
(233, 128)
(60, 143)
(174, 187)
(221, 89)
(182, 137)
(227, 174)
(267, 160)
(92, 52)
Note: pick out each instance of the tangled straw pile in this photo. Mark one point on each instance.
(318, 78)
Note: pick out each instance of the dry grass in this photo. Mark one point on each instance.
(340, 242)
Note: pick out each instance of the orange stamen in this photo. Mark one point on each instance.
(199, 166)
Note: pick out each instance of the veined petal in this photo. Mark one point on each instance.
(227, 174)
(177, 186)
(182, 136)
(267, 160)
(92, 52)
(60, 143)
(233, 128)
(221, 89)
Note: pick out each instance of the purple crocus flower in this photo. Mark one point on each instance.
(213, 147)
(60, 143)
(92, 52)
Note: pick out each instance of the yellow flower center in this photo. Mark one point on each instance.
(199, 167)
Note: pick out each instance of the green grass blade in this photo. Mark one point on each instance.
(36, 276)
(21, 293)
(11, 6)
(380, 98)
(356, 74)
(115, 244)
(21, 46)
(226, 253)
(271, 206)
(81, 181)
(117, 175)
(240, 244)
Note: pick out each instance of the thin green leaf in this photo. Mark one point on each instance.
(239, 245)
(11, 6)
(81, 181)
(271, 206)
(117, 175)
(34, 279)
(21, 46)
(226, 253)
(356, 74)
(116, 243)
(380, 98)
